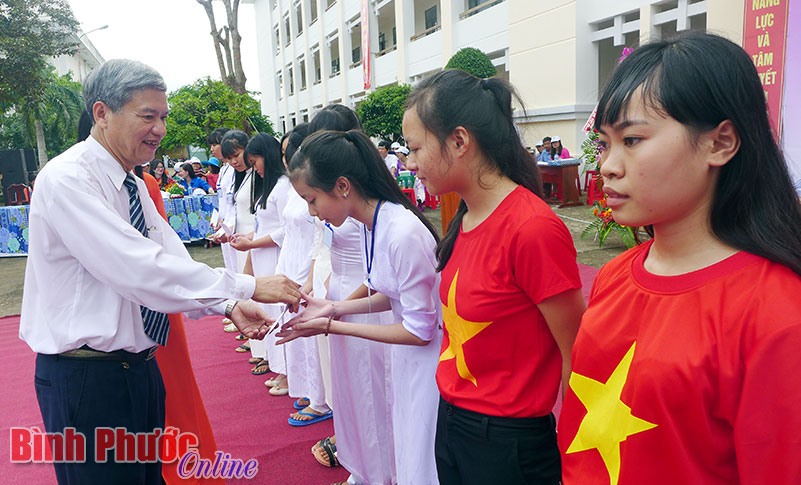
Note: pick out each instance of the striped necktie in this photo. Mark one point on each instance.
(157, 325)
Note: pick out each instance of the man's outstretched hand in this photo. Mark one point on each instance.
(251, 319)
(277, 289)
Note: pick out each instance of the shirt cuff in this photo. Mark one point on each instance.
(244, 287)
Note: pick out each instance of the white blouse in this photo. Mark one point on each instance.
(404, 268)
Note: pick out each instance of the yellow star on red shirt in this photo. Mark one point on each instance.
(459, 332)
(608, 421)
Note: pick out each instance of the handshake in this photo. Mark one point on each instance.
(250, 318)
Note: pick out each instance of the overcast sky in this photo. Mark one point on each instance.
(170, 35)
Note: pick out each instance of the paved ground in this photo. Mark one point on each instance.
(12, 270)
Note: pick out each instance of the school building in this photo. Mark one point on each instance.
(557, 53)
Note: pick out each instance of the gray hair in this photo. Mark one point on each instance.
(114, 82)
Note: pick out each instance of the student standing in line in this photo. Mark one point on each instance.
(359, 368)
(263, 152)
(341, 175)
(510, 285)
(684, 367)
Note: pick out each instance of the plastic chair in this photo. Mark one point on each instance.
(432, 201)
(587, 176)
(594, 192)
(18, 194)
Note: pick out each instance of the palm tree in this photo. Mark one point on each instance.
(55, 112)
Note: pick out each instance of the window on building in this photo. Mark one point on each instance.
(330, 2)
(312, 11)
(431, 17)
(280, 86)
(356, 44)
(299, 17)
(334, 49)
(291, 81)
(306, 118)
(302, 68)
(317, 74)
(382, 41)
(287, 31)
(277, 39)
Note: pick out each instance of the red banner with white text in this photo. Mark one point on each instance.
(365, 20)
(764, 39)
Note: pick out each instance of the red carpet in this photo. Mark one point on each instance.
(248, 422)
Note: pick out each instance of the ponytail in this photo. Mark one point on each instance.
(453, 98)
(327, 155)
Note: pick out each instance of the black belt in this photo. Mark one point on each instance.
(86, 352)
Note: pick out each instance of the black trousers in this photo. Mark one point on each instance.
(474, 448)
(88, 393)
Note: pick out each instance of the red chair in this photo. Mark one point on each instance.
(410, 194)
(587, 176)
(432, 201)
(594, 192)
(18, 194)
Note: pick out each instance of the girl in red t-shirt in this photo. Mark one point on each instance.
(683, 367)
(510, 287)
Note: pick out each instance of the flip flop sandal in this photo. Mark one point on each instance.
(330, 449)
(272, 382)
(279, 391)
(240, 337)
(243, 348)
(262, 367)
(297, 405)
(316, 418)
(254, 360)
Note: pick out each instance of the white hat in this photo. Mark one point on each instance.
(403, 150)
(194, 160)
(555, 138)
(395, 146)
(538, 144)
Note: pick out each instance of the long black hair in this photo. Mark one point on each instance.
(328, 155)
(453, 98)
(269, 149)
(233, 141)
(701, 80)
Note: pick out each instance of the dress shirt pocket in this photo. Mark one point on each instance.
(155, 234)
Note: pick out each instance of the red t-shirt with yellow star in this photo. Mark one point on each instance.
(686, 379)
(498, 355)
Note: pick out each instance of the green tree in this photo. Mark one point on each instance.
(473, 61)
(198, 108)
(381, 112)
(48, 121)
(31, 31)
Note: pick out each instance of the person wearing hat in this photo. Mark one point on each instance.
(557, 150)
(538, 145)
(402, 153)
(198, 168)
(213, 173)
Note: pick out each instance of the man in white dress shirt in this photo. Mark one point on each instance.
(390, 160)
(103, 267)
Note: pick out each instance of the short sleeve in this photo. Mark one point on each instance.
(766, 430)
(544, 258)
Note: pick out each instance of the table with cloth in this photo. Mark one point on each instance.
(188, 216)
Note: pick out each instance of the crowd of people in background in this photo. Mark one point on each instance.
(550, 149)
